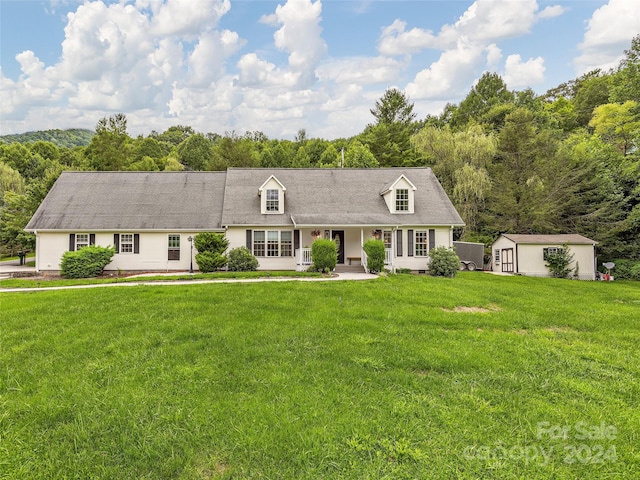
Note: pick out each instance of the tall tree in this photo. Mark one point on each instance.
(389, 138)
(626, 81)
(108, 148)
(195, 152)
(394, 107)
(489, 92)
(618, 124)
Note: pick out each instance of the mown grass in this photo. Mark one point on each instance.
(372, 379)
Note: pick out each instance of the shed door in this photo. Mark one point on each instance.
(507, 260)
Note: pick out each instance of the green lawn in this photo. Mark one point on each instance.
(372, 379)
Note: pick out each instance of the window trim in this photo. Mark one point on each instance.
(130, 243)
(272, 205)
(78, 244)
(402, 202)
(272, 248)
(173, 249)
(421, 248)
(546, 251)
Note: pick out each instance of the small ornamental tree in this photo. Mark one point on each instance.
(86, 262)
(324, 255)
(559, 262)
(242, 260)
(444, 262)
(375, 255)
(211, 247)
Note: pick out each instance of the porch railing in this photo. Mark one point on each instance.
(388, 256)
(303, 256)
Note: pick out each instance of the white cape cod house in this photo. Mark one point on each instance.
(150, 216)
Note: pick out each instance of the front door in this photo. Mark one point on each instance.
(507, 260)
(338, 237)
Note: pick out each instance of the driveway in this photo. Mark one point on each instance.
(11, 266)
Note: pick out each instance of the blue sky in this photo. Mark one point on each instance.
(277, 67)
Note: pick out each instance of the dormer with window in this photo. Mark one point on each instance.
(400, 195)
(272, 196)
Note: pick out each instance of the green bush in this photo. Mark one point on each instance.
(324, 255)
(624, 269)
(211, 242)
(86, 262)
(211, 247)
(375, 255)
(558, 263)
(444, 262)
(210, 261)
(242, 260)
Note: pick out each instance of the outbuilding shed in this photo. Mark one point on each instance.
(526, 254)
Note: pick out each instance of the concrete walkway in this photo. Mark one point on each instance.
(337, 277)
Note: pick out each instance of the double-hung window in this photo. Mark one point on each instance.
(259, 243)
(173, 252)
(82, 240)
(273, 245)
(126, 243)
(273, 200)
(422, 243)
(286, 243)
(386, 238)
(402, 200)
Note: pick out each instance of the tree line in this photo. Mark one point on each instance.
(511, 161)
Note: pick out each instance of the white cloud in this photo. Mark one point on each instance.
(450, 75)
(395, 40)
(300, 35)
(207, 60)
(494, 55)
(186, 18)
(519, 74)
(609, 32)
(360, 70)
(552, 11)
(468, 45)
(492, 20)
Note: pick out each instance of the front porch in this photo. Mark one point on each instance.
(350, 241)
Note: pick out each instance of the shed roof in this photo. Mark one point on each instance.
(132, 201)
(559, 239)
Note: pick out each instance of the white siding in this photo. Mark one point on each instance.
(152, 257)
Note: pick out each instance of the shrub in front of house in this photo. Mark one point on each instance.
(241, 260)
(444, 262)
(324, 255)
(86, 262)
(210, 261)
(211, 247)
(375, 255)
(211, 242)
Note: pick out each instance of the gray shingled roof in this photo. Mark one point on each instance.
(317, 197)
(572, 238)
(209, 200)
(132, 201)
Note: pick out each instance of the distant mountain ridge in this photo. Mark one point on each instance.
(73, 137)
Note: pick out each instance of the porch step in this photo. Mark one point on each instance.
(349, 269)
